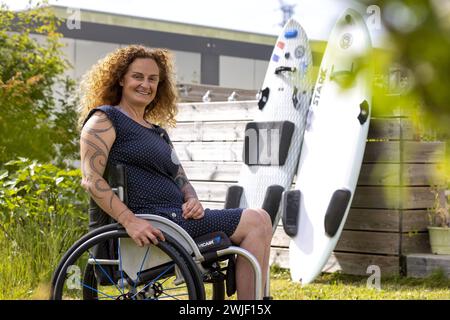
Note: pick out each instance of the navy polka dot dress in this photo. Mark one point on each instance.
(147, 157)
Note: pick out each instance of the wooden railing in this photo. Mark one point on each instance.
(190, 92)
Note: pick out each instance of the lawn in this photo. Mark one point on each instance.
(333, 286)
(336, 286)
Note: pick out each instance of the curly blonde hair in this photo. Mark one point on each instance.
(100, 85)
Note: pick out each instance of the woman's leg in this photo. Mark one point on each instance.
(253, 233)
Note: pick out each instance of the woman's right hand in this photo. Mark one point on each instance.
(141, 231)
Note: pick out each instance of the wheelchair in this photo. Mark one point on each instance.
(106, 264)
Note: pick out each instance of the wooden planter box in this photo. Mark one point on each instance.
(388, 218)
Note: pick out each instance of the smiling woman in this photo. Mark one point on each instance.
(128, 97)
(139, 88)
(103, 84)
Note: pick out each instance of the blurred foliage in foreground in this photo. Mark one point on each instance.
(417, 84)
(419, 38)
(37, 108)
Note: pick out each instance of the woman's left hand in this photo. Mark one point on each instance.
(193, 209)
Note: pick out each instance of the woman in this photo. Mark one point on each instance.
(124, 96)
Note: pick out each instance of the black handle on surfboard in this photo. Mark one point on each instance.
(280, 69)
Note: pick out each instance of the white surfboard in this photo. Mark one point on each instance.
(273, 139)
(332, 151)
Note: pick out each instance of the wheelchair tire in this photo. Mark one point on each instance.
(148, 285)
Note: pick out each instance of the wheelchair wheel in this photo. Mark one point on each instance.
(159, 272)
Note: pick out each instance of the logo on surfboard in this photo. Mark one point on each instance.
(346, 41)
(322, 77)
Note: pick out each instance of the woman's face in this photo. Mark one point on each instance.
(140, 82)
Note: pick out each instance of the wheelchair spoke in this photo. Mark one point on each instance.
(138, 276)
(154, 280)
(98, 291)
(104, 272)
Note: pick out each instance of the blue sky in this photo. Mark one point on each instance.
(261, 16)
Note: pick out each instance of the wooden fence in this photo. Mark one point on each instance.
(388, 218)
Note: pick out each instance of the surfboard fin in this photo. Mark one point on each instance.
(233, 197)
(336, 211)
(272, 201)
(364, 112)
(290, 213)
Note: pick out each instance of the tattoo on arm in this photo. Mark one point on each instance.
(184, 184)
(95, 159)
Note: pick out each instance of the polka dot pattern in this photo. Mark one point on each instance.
(151, 187)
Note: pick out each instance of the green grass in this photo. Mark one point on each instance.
(336, 286)
(30, 253)
(26, 275)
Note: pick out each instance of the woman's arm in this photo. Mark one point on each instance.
(183, 182)
(97, 137)
(192, 208)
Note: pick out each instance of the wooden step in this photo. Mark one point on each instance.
(421, 265)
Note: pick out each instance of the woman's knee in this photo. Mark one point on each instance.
(260, 220)
(254, 222)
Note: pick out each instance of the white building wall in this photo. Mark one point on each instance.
(87, 53)
(82, 54)
(242, 73)
(187, 66)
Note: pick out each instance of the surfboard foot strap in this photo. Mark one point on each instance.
(272, 200)
(264, 98)
(280, 69)
(336, 211)
(364, 112)
(233, 197)
(290, 211)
